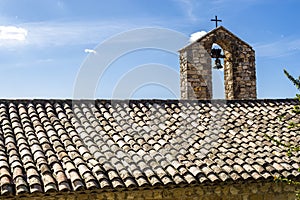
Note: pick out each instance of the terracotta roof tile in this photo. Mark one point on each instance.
(57, 145)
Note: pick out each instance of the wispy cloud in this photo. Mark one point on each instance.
(60, 4)
(195, 36)
(76, 33)
(283, 47)
(198, 10)
(70, 33)
(90, 51)
(234, 6)
(188, 7)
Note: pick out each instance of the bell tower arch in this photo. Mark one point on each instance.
(239, 67)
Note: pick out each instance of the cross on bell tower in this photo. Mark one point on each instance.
(216, 20)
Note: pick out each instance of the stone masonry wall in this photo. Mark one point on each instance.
(246, 191)
(239, 67)
(196, 73)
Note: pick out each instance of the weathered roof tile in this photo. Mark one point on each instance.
(111, 144)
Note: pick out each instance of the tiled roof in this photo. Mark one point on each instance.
(64, 145)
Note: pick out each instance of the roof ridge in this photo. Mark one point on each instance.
(147, 100)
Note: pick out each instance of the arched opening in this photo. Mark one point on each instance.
(218, 87)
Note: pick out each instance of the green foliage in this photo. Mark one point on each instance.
(291, 125)
(296, 82)
(291, 120)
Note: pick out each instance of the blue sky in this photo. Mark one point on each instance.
(45, 44)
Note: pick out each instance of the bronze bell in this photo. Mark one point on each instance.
(216, 53)
(218, 64)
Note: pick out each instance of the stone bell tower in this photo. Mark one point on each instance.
(239, 67)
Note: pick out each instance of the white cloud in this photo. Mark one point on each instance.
(12, 33)
(197, 35)
(90, 51)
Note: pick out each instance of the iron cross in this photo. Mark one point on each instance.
(216, 20)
